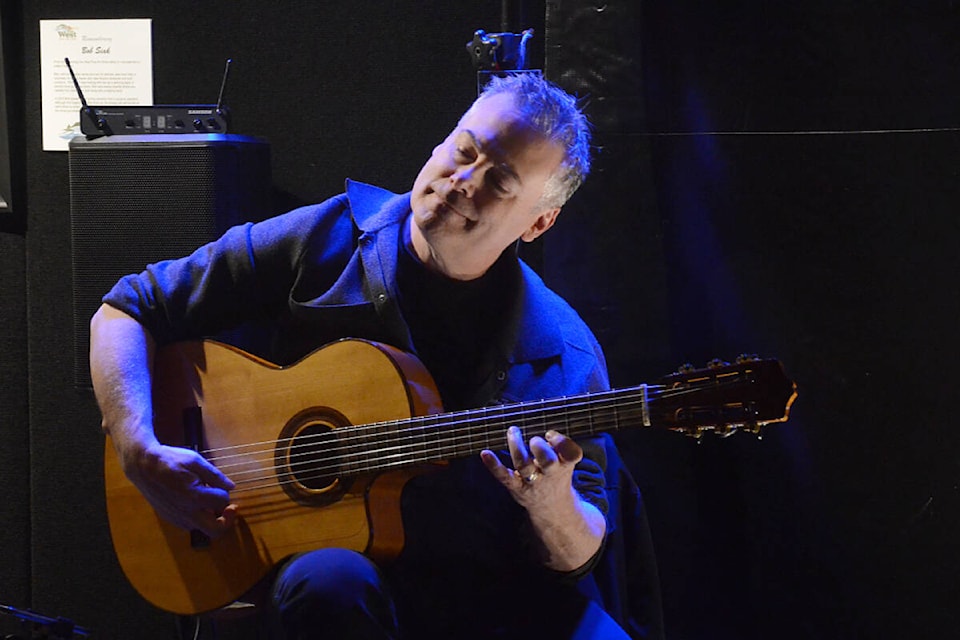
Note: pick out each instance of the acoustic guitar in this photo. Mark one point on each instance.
(320, 450)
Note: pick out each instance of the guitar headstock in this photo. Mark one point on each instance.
(723, 398)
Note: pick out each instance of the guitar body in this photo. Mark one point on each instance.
(243, 408)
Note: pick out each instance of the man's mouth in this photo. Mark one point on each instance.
(450, 207)
(449, 201)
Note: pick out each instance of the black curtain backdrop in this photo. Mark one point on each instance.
(779, 180)
(770, 178)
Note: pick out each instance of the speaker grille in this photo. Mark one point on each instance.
(135, 200)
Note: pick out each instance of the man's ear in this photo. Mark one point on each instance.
(543, 222)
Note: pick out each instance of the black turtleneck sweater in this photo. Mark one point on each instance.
(455, 325)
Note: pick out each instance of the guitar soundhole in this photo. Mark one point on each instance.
(308, 457)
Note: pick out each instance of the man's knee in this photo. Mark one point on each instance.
(335, 590)
(337, 576)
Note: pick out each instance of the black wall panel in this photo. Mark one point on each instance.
(831, 251)
(831, 65)
(835, 253)
(15, 452)
(593, 50)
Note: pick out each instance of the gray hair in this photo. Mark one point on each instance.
(555, 115)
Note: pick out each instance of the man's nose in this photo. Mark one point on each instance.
(465, 179)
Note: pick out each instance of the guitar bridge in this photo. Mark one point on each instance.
(193, 439)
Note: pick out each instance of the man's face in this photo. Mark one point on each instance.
(479, 190)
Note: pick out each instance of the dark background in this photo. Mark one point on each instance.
(771, 178)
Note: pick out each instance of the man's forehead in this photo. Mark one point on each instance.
(498, 128)
(497, 120)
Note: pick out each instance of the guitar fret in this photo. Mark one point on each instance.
(544, 417)
(420, 436)
(464, 438)
(476, 431)
(605, 417)
(384, 443)
(590, 419)
(366, 446)
(556, 412)
(493, 434)
(334, 448)
(380, 448)
(450, 438)
(388, 443)
(442, 439)
(529, 420)
(435, 451)
(392, 439)
(632, 415)
(494, 426)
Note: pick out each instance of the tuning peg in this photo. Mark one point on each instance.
(686, 368)
(692, 432)
(754, 428)
(747, 357)
(726, 430)
(716, 363)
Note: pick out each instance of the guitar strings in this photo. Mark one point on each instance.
(415, 444)
(520, 409)
(459, 429)
(420, 444)
(411, 436)
(446, 439)
(314, 468)
(482, 414)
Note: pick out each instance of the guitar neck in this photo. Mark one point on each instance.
(722, 398)
(434, 438)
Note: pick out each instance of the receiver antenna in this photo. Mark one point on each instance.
(83, 100)
(99, 122)
(223, 84)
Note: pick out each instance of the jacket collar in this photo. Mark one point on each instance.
(539, 334)
(374, 208)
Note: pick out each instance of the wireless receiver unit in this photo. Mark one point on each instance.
(163, 118)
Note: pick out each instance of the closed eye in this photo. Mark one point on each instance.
(497, 181)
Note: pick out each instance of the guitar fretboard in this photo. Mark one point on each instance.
(395, 444)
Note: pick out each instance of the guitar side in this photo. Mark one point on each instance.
(239, 400)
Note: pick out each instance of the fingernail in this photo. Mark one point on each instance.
(551, 434)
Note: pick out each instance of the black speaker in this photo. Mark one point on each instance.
(139, 199)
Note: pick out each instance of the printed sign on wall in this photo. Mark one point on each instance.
(112, 60)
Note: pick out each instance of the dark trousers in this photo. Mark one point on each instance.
(340, 594)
